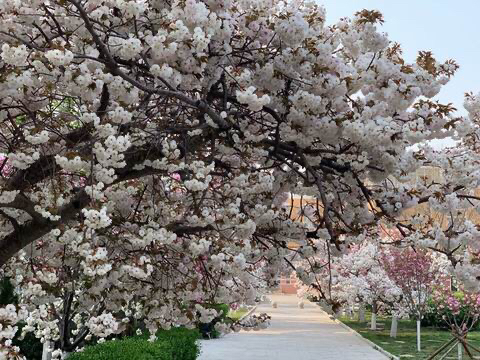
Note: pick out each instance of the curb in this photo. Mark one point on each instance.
(249, 312)
(371, 343)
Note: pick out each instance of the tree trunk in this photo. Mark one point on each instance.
(393, 328)
(418, 335)
(361, 313)
(46, 353)
(373, 325)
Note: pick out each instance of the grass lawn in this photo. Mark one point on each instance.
(237, 314)
(405, 345)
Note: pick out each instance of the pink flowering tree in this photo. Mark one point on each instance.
(149, 146)
(413, 271)
(460, 310)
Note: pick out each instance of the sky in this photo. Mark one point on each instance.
(450, 29)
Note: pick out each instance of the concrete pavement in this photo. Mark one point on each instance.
(294, 334)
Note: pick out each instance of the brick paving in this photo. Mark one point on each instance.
(294, 334)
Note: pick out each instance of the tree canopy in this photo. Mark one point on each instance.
(149, 149)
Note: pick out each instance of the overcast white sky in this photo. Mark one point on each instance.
(448, 28)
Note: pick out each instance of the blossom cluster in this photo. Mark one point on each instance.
(459, 309)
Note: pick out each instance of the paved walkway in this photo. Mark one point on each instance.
(294, 334)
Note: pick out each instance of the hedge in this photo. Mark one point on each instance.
(175, 344)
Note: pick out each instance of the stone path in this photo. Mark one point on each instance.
(294, 334)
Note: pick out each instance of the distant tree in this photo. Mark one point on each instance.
(413, 271)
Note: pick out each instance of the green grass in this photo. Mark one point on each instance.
(237, 314)
(406, 341)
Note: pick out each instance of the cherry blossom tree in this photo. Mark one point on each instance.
(413, 271)
(363, 279)
(148, 148)
(357, 278)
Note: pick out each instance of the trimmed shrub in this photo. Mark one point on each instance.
(174, 344)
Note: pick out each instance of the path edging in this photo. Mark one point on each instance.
(369, 342)
(249, 312)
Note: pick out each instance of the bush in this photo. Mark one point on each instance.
(433, 318)
(438, 317)
(208, 330)
(175, 344)
(7, 293)
(30, 346)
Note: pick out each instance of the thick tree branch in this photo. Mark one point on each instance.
(35, 229)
